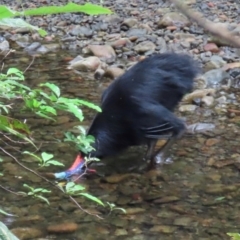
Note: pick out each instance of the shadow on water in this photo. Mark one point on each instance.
(195, 197)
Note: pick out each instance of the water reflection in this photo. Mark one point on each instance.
(196, 197)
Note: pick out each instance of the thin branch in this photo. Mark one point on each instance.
(48, 181)
(214, 28)
(30, 64)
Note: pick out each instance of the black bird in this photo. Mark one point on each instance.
(137, 108)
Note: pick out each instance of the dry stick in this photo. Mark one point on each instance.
(29, 64)
(30, 170)
(213, 28)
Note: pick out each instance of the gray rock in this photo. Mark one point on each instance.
(145, 47)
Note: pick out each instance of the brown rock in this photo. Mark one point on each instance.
(173, 19)
(211, 47)
(63, 228)
(104, 52)
(211, 141)
(114, 72)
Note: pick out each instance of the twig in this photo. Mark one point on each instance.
(29, 64)
(213, 28)
(48, 181)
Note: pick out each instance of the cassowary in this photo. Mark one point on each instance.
(137, 108)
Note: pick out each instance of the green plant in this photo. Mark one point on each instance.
(74, 189)
(234, 236)
(5, 233)
(113, 207)
(7, 15)
(45, 160)
(83, 141)
(37, 192)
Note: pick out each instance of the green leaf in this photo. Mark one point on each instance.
(7, 214)
(87, 8)
(5, 233)
(73, 188)
(6, 12)
(46, 156)
(235, 236)
(18, 23)
(48, 109)
(14, 124)
(43, 198)
(53, 87)
(55, 163)
(90, 105)
(33, 155)
(75, 111)
(16, 72)
(45, 116)
(91, 197)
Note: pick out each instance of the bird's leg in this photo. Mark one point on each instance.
(161, 155)
(150, 148)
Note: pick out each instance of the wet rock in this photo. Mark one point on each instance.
(131, 211)
(173, 19)
(67, 227)
(104, 52)
(211, 142)
(163, 229)
(85, 64)
(33, 47)
(81, 31)
(27, 233)
(120, 232)
(183, 221)
(4, 46)
(119, 222)
(145, 47)
(167, 199)
(119, 177)
(215, 77)
(220, 188)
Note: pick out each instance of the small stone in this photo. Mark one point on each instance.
(163, 229)
(211, 47)
(187, 108)
(211, 142)
(144, 47)
(114, 72)
(173, 19)
(104, 52)
(67, 227)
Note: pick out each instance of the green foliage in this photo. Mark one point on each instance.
(7, 15)
(113, 207)
(6, 214)
(74, 189)
(234, 236)
(5, 233)
(45, 160)
(37, 193)
(82, 141)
